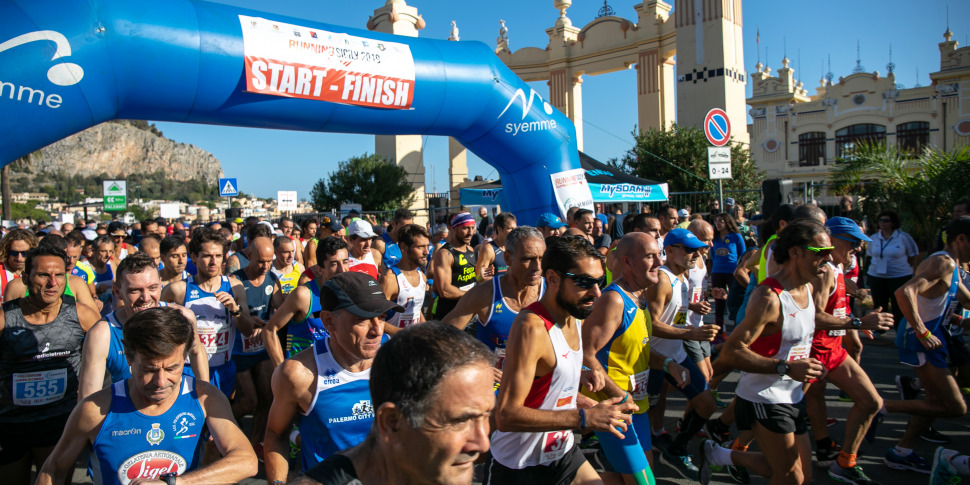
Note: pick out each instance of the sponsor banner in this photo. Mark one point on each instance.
(484, 197)
(628, 192)
(286, 200)
(150, 465)
(571, 190)
(302, 62)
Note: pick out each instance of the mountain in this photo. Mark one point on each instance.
(117, 149)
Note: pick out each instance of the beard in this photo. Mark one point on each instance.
(574, 309)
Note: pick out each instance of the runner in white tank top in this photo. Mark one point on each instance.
(405, 283)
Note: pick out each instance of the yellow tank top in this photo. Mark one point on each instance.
(763, 262)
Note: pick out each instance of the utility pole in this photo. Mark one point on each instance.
(5, 190)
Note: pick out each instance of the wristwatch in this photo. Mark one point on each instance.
(236, 313)
(782, 368)
(168, 478)
(856, 323)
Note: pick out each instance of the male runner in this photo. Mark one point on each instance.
(148, 428)
(453, 266)
(428, 377)
(832, 320)
(491, 257)
(325, 389)
(217, 302)
(300, 311)
(75, 287)
(40, 341)
(253, 367)
(668, 220)
(103, 359)
(582, 224)
(174, 259)
(668, 302)
(328, 227)
(152, 245)
(538, 401)
(498, 303)
(13, 253)
(927, 301)
(286, 227)
(76, 267)
(286, 269)
(392, 252)
(405, 282)
(240, 259)
(550, 224)
(614, 337)
(772, 348)
(363, 257)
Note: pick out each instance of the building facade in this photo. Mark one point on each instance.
(800, 137)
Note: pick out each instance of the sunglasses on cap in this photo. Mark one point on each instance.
(856, 243)
(685, 248)
(820, 252)
(585, 282)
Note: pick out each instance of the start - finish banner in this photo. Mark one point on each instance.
(294, 61)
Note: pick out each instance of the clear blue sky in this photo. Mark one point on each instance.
(265, 161)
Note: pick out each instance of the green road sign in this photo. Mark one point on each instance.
(115, 195)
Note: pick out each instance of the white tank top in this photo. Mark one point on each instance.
(932, 308)
(674, 314)
(555, 391)
(797, 332)
(696, 289)
(410, 297)
(366, 260)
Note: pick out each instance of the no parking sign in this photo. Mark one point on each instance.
(717, 127)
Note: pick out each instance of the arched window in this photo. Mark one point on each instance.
(849, 137)
(913, 136)
(811, 149)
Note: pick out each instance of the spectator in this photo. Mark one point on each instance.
(893, 254)
(728, 247)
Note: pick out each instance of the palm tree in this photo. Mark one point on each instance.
(921, 189)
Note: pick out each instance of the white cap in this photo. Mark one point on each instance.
(361, 228)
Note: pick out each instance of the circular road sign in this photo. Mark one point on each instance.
(717, 127)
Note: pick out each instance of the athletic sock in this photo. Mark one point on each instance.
(846, 460)
(899, 450)
(721, 456)
(692, 423)
(961, 463)
(659, 432)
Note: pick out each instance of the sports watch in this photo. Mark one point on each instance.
(856, 323)
(782, 368)
(168, 478)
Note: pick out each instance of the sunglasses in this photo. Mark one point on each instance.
(22, 254)
(585, 282)
(820, 252)
(856, 243)
(686, 249)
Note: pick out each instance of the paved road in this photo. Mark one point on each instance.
(879, 359)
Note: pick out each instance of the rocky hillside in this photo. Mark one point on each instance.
(118, 149)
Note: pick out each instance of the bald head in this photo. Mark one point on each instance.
(151, 247)
(260, 256)
(632, 242)
(702, 229)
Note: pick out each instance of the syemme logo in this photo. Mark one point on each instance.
(625, 189)
(524, 126)
(151, 464)
(61, 74)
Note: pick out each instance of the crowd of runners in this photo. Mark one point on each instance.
(353, 351)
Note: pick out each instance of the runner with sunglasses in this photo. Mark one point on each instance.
(668, 303)
(832, 321)
(536, 412)
(771, 347)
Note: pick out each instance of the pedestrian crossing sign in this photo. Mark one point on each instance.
(228, 188)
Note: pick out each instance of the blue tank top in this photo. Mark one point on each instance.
(107, 276)
(132, 445)
(117, 365)
(302, 334)
(341, 413)
(216, 329)
(494, 331)
(257, 299)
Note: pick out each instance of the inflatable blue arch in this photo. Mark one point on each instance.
(66, 65)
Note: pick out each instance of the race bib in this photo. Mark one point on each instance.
(499, 358)
(695, 294)
(837, 333)
(39, 388)
(799, 352)
(214, 340)
(638, 385)
(838, 313)
(250, 347)
(555, 444)
(680, 318)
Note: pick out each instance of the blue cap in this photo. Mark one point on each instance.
(728, 201)
(684, 237)
(844, 225)
(550, 220)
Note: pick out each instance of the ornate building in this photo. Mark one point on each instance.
(797, 136)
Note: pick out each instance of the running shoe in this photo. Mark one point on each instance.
(831, 422)
(739, 474)
(942, 472)
(965, 391)
(911, 462)
(844, 397)
(852, 476)
(705, 465)
(908, 387)
(662, 441)
(934, 436)
(721, 404)
(876, 421)
(682, 463)
(827, 456)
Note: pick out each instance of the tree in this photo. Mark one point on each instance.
(369, 180)
(678, 156)
(921, 189)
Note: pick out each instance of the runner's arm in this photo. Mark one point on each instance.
(295, 306)
(390, 288)
(232, 265)
(287, 379)
(15, 289)
(442, 275)
(658, 297)
(174, 293)
(598, 328)
(244, 320)
(81, 295)
(94, 358)
(485, 257)
(310, 254)
(87, 316)
(472, 302)
(741, 272)
(81, 428)
(929, 273)
(238, 459)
